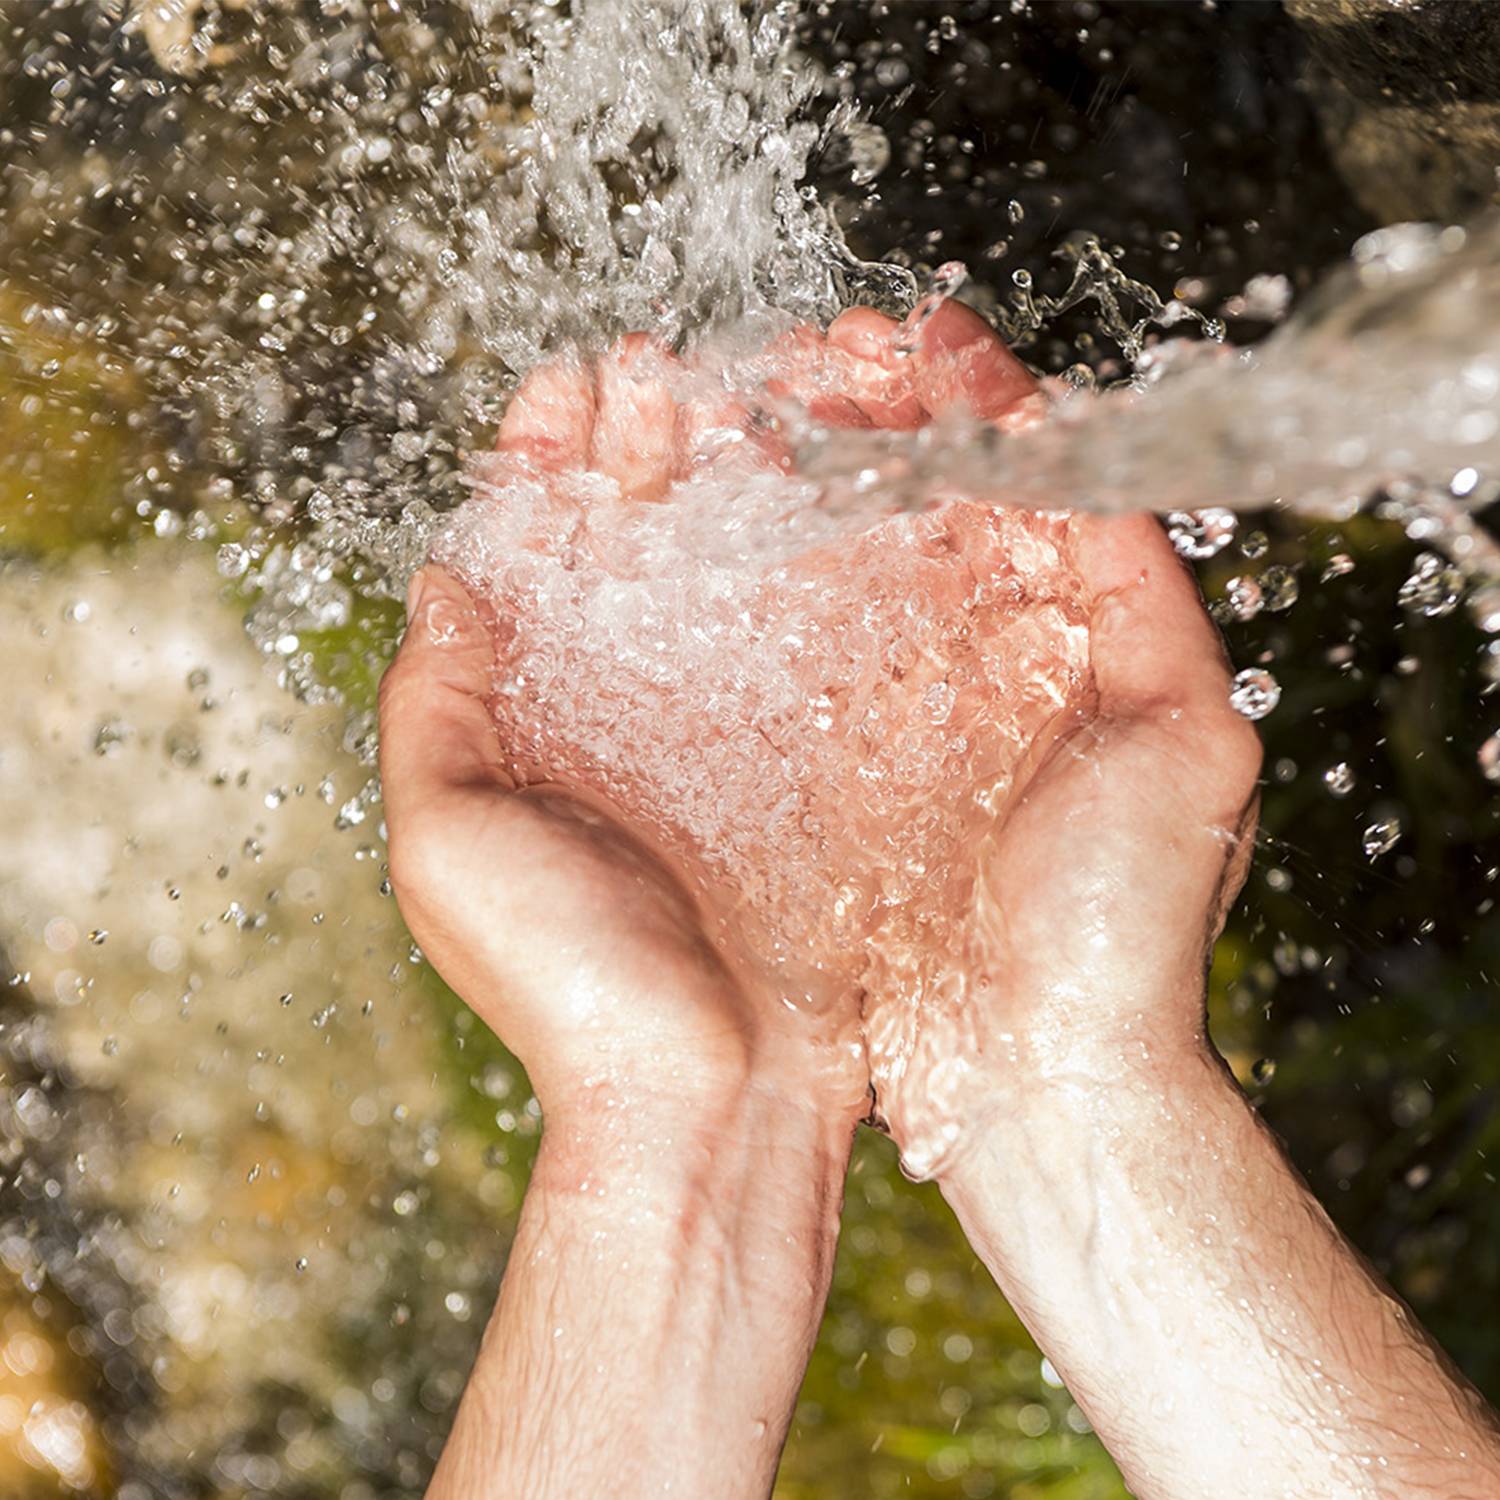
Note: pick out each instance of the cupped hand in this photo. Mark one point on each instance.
(1108, 873)
(581, 944)
(569, 937)
(1107, 880)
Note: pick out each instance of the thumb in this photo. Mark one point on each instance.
(436, 734)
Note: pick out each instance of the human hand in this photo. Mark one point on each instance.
(1108, 880)
(1199, 1304)
(569, 879)
(1108, 872)
(569, 937)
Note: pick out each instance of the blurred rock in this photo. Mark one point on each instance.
(233, 1195)
(1409, 101)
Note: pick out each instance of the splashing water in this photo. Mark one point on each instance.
(1384, 390)
(816, 730)
(323, 352)
(654, 180)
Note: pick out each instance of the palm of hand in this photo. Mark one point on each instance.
(567, 935)
(599, 951)
(1105, 885)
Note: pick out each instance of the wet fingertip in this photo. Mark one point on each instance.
(954, 325)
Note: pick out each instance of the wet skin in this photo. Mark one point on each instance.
(673, 1255)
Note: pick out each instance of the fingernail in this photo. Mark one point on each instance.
(415, 589)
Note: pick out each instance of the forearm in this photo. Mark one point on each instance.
(661, 1301)
(1217, 1330)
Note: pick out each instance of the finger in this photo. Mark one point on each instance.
(635, 427)
(435, 730)
(961, 365)
(803, 369)
(550, 418)
(879, 376)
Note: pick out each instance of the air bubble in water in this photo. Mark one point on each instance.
(1263, 1069)
(234, 560)
(1382, 836)
(1201, 533)
(1336, 566)
(1255, 693)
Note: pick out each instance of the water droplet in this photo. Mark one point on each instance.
(99, 936)
(869, 152)
(233, 560)
(1254, 544)
(1255, 693)
(1433, 588)
(1484, 608)
(301, 1263)
(1336, 566)
(1280, 587)
(1243, 597)
(1339, 778)
(1201, 533)
(110, 735)
(1169, 239)
(1381, 837)
(1489, 757)
(1263, 1069)
(1015, 210)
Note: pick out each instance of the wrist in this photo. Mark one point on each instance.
(1066, 1056)
(676, 1151)
(1058, 1100)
